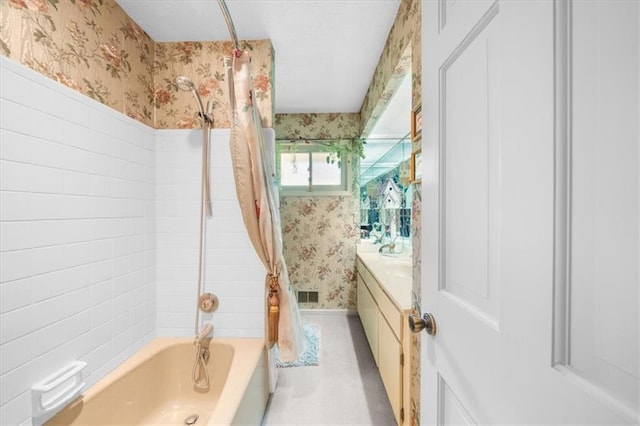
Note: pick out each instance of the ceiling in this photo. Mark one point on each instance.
(326, 50)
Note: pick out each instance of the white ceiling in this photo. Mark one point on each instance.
(326, 50)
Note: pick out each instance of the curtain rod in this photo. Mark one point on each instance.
(229, 22)
(314, 139)
(299, 139)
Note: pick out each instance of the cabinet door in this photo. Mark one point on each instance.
(368, 311)
(389, 354)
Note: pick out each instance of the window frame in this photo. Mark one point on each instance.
(345, 188)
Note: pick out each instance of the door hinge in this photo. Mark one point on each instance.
(402, 360)
(401, 415)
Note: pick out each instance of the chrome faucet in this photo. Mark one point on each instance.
(389, 246)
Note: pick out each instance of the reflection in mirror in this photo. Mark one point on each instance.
(385, 204)
(385, 186)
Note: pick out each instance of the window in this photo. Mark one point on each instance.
(307, 168)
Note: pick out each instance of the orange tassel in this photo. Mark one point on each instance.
(274, 310)
(274, 316)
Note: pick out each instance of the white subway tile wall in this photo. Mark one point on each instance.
(99, 222)
(77, 235)
(233, 271)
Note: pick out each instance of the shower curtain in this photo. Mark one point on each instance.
(257, 194)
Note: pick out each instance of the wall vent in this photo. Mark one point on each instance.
(308, 296)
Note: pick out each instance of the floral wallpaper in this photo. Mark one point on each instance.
(320, 233)
(94, 47)
(415, 22)
(320, 126)
(91, 46)
(320, 238)
(416, 224)
(402, 54)
(203, 63)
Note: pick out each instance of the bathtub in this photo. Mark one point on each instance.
(154, 387)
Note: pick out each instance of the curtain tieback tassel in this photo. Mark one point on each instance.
(274, 309)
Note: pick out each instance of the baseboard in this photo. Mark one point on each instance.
(334, 312)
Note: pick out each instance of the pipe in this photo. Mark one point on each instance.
(229, 22)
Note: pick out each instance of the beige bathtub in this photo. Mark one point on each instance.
(154, 387)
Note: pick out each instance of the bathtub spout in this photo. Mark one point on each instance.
(204, 332)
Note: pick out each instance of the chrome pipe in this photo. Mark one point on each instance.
(229, 22)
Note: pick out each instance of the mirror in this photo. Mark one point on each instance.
(385, 191)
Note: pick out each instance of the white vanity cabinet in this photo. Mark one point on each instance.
(383, 309)
(390, 366)
(368, 311)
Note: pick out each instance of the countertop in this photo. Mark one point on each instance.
(393, 272)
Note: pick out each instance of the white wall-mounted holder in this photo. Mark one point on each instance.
(53, 393)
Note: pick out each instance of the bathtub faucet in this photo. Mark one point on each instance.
(204, 332)
(200, 373)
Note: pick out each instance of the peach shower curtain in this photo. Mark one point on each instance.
(257, 194)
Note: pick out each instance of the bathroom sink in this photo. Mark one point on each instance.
(394, 255)
(395, 259)
(400, 273)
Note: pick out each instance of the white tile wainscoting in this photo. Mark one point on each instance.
(233, 271)
(99, 236)
(77, 232)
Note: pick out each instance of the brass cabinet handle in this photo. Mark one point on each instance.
(427, 323)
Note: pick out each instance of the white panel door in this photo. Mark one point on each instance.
(531, 224)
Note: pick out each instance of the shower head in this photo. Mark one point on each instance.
(185, 84)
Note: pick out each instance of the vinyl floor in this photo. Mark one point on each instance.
(345, 389)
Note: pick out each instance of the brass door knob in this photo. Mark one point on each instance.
(427, 323)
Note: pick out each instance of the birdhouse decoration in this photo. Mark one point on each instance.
(390, 201)
(390, 195)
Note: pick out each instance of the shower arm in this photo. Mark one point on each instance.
(229, 22)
